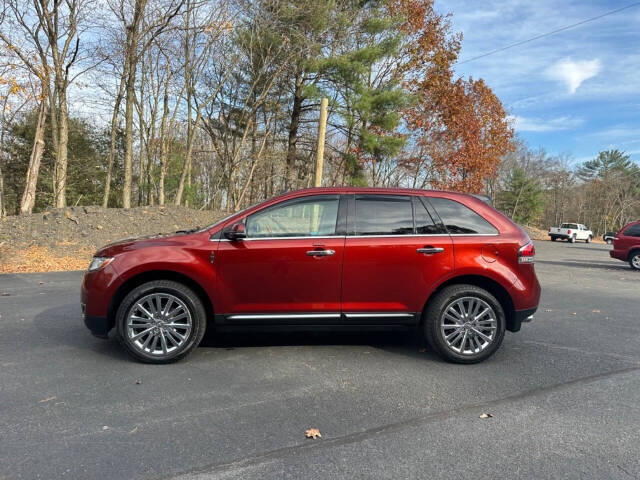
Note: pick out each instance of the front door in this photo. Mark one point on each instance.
(394, 254)
(288, 269)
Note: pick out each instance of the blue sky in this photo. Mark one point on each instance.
(576, 92)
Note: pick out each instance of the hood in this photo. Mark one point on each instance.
(136, 243)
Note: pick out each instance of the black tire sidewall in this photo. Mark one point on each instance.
(433, 313)
(191, 300)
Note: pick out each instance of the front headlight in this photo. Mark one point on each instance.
(99, 262)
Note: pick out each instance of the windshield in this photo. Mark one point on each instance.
(228, 216)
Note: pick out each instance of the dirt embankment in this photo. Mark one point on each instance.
(66, 238)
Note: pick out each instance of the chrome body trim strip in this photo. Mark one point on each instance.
(283, 316)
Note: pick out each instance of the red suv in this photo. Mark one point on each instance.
(626, 245)
(367, 258)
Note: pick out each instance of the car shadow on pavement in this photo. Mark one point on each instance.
(405, 342)
(63, 325)
(603, 266)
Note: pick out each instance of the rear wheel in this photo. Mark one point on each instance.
(634, 260)
(160, 321)
(553, 239)
(609, 241)
(572, 239)
(464, 324)
(588, 239)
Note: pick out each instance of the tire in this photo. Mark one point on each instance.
(553, 239)
(572, 240)
(436, 331)
(174, 337)
(609, 241)
(588, 240)
(634, 260)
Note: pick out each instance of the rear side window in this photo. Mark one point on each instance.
(569, 225)
(460, 219)
(383, 215)
(633, 231)
(424, 222)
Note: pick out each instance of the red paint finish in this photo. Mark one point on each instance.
(387, 274)
(624, 244)
(267, 276)
(364, 274)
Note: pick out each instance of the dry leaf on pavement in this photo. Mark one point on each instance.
(313, 433)
(486, 415)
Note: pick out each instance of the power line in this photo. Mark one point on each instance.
(553, 32)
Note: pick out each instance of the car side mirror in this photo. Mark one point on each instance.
(236, 232)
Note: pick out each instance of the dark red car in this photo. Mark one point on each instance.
(322, 258)
(626, 245)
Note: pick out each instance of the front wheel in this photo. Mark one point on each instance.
(634, 260)
(464, 324)
(609, 241)
(160, 321)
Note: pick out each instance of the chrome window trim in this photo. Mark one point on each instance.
(363, 236)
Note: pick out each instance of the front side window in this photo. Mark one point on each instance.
(307, 217)
(383, 215)
(633, 231)
(460, 219)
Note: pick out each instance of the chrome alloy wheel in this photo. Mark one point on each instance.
(159, 324)
(468, 325)
(635, 262)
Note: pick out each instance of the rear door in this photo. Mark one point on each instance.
(394, 253)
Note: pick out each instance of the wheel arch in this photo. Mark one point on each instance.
(488, 284)
(151, 275)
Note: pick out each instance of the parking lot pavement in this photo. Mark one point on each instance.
(564, 394)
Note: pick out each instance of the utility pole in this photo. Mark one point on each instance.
(322, 130)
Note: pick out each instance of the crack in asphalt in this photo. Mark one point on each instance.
(356, 437)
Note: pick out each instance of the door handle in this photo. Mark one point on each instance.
(320, 253)
(430, 250)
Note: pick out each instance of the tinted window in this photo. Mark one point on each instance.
(301, 218)
(378, 215)
(633, 231)
(424, 223)
(569, 225)
(460, 219)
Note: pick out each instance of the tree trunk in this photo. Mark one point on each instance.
(128, 148)
(29, 194)
(112, 144)
(60, 167)
(296, 111)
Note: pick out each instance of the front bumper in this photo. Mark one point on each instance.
(99, 326)
(618, 255)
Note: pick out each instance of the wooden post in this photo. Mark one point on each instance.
(322, 130)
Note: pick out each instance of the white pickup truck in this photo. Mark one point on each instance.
(571, 232)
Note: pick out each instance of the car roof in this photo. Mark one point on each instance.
(373, 190)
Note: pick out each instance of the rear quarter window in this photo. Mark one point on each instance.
(460, 219)
(632, 231)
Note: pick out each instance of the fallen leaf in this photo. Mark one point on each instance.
(105, 427)
(44, 400)
(486, 415)
(135, 429)
(5, 294)
(138, 382)
(313, 433)
(574, 313)
(596, 311)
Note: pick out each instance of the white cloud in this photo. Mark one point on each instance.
(531, 124)
(574, 73)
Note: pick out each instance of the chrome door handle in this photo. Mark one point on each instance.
(430, 250)
(320, 253)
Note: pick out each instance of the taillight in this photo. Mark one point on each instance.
(527, 253)
(569, 232)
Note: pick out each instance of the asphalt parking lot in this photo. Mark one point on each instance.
(564, 394)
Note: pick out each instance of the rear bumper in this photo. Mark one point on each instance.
(564, 236)
(520, 317)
